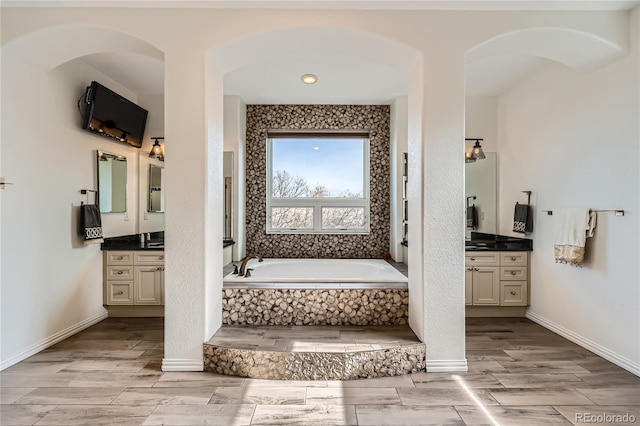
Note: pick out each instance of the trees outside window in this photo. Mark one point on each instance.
(317, 184)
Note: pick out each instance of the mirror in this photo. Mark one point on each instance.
(481, 183)
(227, 166)
(112, 182)
(156, 189)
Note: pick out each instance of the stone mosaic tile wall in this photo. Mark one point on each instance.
(404, 359)
(261, 118)
(246, 306)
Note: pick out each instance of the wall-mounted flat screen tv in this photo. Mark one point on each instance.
(110, 115)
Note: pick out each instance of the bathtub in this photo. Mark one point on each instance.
(318, 273)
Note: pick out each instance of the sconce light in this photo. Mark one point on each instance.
(476, 153)
(156, 149)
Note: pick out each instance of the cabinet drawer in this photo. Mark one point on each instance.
(513, 258)
(513, 293)
(124, 272)
(514, 273)
(144, 257)
(119, 292)
(482, 259)
(119, 257)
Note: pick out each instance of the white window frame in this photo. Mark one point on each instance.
(318, 203)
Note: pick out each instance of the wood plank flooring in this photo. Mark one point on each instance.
(519, 374)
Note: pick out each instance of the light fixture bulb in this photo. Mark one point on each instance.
(156, 150)
(477, 153)
(309, 78)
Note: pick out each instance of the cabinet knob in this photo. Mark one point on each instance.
(513, 293)
(120, 258)
(476, 269)
(473, 258)
(469, 269)
(119, 293)
(513, 258)
(120, 272)
(513, 272)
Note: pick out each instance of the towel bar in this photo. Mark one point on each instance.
(617, 212)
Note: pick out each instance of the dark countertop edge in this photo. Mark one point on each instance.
(132, 242)
(492, 249)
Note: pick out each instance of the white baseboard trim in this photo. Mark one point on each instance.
(182, 364)
(597, 349)
(446, 365)
(52, 340)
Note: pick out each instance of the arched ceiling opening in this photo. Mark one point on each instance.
(131, 61)
(496, 64)
(353, 67)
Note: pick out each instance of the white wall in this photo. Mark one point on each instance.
(573, 140)
(51, 281)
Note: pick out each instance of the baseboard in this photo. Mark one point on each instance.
(597, 349)
(446, 365)
(137, 311)
(52, 340)
(182, 364)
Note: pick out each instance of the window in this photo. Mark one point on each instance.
(317, 183)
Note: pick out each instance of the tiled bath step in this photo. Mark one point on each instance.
(314, 352)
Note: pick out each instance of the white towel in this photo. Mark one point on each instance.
(573, 227)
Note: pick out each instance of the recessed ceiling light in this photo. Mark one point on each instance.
(309, 78)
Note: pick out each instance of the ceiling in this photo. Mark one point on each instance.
(375, 74)
(343, 4)
(342, 79)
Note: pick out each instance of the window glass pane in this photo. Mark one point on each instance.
(292, 217)
(342, 217)
(318, 167)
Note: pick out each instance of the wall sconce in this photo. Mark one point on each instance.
(476, 153)
(156, 149)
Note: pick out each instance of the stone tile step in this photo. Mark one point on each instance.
(314, 352)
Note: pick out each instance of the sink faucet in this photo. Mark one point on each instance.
(246, 259)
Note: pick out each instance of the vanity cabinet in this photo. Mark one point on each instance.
(496, 278)
(134, 277)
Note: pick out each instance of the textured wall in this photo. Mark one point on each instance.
(261, 118)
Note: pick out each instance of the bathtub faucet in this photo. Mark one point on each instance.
(243, 265)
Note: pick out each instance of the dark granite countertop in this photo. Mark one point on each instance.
(491, 242)
(132, 242)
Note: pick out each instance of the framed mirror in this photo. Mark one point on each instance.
(112, 182)
(227, 163)
(156, 189)
(481, 182)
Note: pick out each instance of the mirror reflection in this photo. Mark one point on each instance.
(481, 183)
(112, 182)
(228, 193)
(156, 189)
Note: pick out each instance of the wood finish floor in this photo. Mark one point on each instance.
(519, 374)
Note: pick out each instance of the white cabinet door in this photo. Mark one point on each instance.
(486, 285)
(148, 290)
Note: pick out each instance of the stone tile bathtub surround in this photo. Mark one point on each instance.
(374, 118)
(246, 306)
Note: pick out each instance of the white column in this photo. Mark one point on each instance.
(443, 212)
(193, 261)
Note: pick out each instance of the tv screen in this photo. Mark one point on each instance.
(111, 115)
